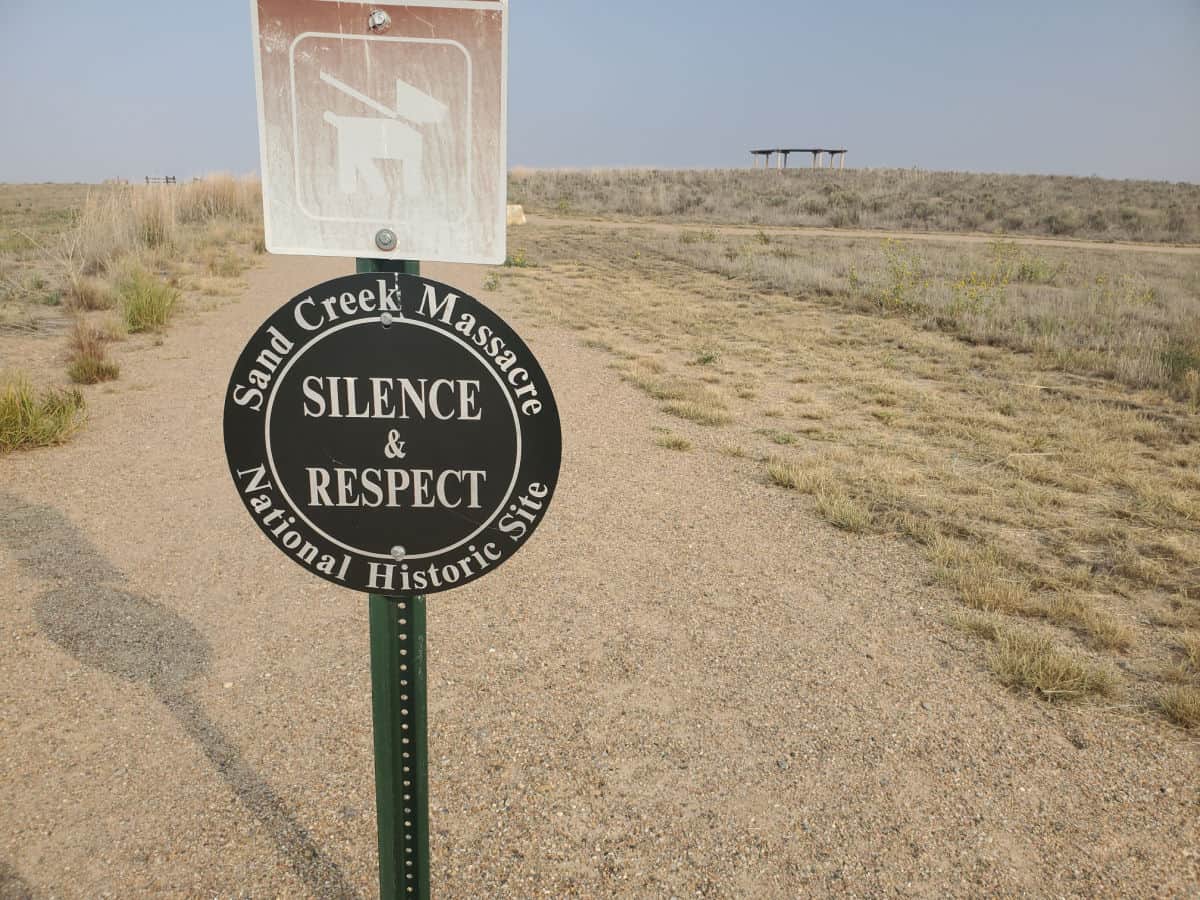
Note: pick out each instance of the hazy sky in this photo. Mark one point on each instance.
(134, 87)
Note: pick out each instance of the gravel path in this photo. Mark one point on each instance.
(684, 686)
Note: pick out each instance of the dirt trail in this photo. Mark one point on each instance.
(940, 237)
(683, 686)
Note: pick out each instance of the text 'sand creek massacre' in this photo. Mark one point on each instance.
(391, 434)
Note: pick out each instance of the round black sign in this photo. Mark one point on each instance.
(391, 434)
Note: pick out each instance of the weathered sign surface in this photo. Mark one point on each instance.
(392, 434)
(383, 127)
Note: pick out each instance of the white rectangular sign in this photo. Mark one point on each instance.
(383, 127)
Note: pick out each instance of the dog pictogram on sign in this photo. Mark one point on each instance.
(363, 141)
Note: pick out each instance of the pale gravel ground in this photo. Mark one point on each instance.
(684, 686)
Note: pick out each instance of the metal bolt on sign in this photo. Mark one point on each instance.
(385, 239)
(379, 21)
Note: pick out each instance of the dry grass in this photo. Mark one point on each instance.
(1092, 312)
(987, 626)
(29, 418)
(1181, 704)
(1033, 661)
(844, 511)
(673, 442)
(88, 355)
(874, 198)
(87, 293)
(1189, 646)
(798, 476)
(688, 399)
(706, 411)
(73, 250)
(1036, 494)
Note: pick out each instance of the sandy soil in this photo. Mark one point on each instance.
(684, 686)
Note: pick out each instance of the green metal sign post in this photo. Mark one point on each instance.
(398, 702)
(399, 710)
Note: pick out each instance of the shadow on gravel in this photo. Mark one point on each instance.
(12, 885)
(90, 616)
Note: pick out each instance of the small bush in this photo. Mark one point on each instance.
(88, 293)
(147, 304)
(89, 358)
(1063, 222)
(778, 437)
(29, 420)
(1036, 270)
(226, 265)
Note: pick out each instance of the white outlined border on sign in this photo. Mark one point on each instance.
(396, 323)
(372, 38)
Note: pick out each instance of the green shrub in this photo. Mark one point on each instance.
(30, 420)
(147, 303)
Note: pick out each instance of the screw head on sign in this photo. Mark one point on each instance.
(379, 21)
(385, 239)
(398, 554)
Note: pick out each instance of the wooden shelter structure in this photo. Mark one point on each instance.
(836, 156)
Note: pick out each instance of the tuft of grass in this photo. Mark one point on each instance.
(1104, 631)
(778, 437)
(659, 386)
(1189, 645)
(154, 220)
(29, 419)
(836, 504)
(1181, 704)
(89, 362)
(702, 411)
(842, 510)
(519, 259)
(147, 304)
(1026, 660)
(673, 442)
(797, 477)
(226, 265)
(90, 293)
(982, 625)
